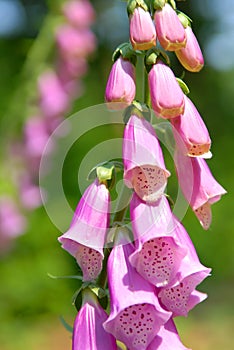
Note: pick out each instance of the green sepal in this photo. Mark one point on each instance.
(139, 109)
(159, 4)
(184, 87)
(184, 19)
(133, 4)
(77, 298)
(153, 55)
(101, 294)
(173, 4)
(126, 51)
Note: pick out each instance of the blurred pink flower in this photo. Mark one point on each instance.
(79, 13)
(12, 222)
(53, 99)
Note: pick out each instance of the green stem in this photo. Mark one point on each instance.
(147, 98)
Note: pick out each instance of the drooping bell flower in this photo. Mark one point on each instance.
(142, 29)
(170, 31)
(199, 186)
(144, 167)
(166, 95)
(191, 56)
(136, 315)
(85, 238)
(190, 132)
(88, 332)
(158, 252)
(79, 13)
(182, 296)
(121, 86)
(167, 338)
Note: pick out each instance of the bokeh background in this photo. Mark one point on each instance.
(31, 303)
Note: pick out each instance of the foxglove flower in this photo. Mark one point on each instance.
(79, 13)
(170, 31)
(136, 315)
(121, 84)
(199, 186)
(88, 332)
(85, 238)
(142, 30)
(12, 222)
(167, 338)
(158, 252)
(182, 296)
(191, 56)
(144, 168)
(166, 95)
(190, 131)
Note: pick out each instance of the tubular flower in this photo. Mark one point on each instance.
(142, 30)
(170, 31)
(199, 187)
(158, 252)
(144, 167)
(88, 330)
(167, 338)
(191, 56)
(85, 238)
(136, 315)
(121, 84)
(166, 95)
(190, 131)
(182, 296)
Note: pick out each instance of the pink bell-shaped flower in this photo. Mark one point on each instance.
(86, 236)
(158, 252)
(121, 86)
(190, 132)
(182, 296)
(167, 338)
(166, 95)
(136, 315)
(170, 31)
(199, 186)
(144, 168)
(88, 333)
(190, 56)
(142, 30)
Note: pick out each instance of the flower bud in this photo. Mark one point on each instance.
(166, 95)
(170, 31)
(121, 84)
(191, 56)
(142, 30)
(190, 132)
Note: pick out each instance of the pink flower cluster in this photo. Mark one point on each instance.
(153, 271)
(57, 89)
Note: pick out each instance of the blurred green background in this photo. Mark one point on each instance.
(31, 303)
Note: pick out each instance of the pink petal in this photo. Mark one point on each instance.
(142, 30)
